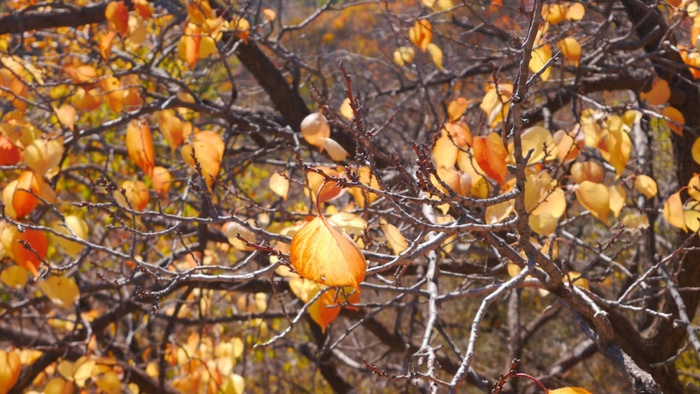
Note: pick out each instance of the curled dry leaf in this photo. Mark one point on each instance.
(404, 56)
(324, 253)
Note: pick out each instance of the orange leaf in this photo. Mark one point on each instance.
(322, 252)
(199, 10)
(85, 100)
(674, 119)
(569, 144)
(618, 198)
(554, 13)
(117, 14)
(10, 367)
(106, 43)
(24, 202)
(171, 127)
(575, 12)
(491, 155)
(421, 34)
(208, 149)
(41, 155)
(161, 181)
(30, 259)
(135, 195)
(456, 108)
(570, 48)
(659, 93)
(9, 153)
(569, 390)
(139, 144)
(587, 171)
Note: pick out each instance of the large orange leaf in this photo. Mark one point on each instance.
(324, 253)
(658, 94)
(9, 153)
(491, 155)
(161, 181)
(139, 144)
(117, 14)
(29, 259)
(23, 202)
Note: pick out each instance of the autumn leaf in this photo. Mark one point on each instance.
(42, 155)
(207, 147)
(618, 198)
(570, 48)
(540, 56)
(16, 277)
(133, 195)
(673, 211)
(421, 34)
(456, 108)
(658, 94)
(587, 171)
(404, 56)
(233, 230)
(279, 184)
(491, 155)
(9, 153)
(117, 14)
(31, 258)
(161, 180)
(315, 129)
(646, 185)
(172, 128)
(10, 368)
(360, 196)
(436, 55)
(66, 116)
(323, 253)
(397, 242)
(569, 390)
(139, 144)
(595, 198)
(61, 291)
(674, 119)
(75, 227)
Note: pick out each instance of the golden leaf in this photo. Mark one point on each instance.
(673, 211)
(279, 184)
(540, 56)
(491, 155)
(646, 185)
(139, 144)
(436, 55)
(60, 290)
(659, 93)
(570, 48)
(396, 241)
(325, 254)
(674, 119)
(595, 198)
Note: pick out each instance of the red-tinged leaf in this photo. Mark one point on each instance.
(491, 155)
(139, 144)
(106, 43)
(30, 259)
(23, 201)
(117, 14)
(9, 153)
(324, 253)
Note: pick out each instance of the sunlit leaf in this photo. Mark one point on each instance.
(335, 150)
(23, 200)
(43, 155)
(570, 48)
(234, 384)
(75, 227)
(109, 383)
(587, 171)
(61, 291)
(171, 127)
(554, 13)
(207, 147)
(10, 368)
(491, 155)
(161, 180)
(569, 390)
(495, 103)
(135, 195)
(139, 144)
(279, 184)
(315, 129)
(9, 153)
(403, 56)
(674, 119)
(58, 386)
(646, 185)
(456, 108)
(595, 198)
(421, 34)
(538, 140)
(436, 55)
(575, 12)
(498, 212)
(66, 115)
(322, 252)
(397, 242)
(346, 110)
(540, 56)
(673, 211)
(269, 14)
(235, 229)
(117, 14)
(618, 198)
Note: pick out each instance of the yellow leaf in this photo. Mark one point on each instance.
(569, 390)
(23, 200)
(42, 155)
(60, 290)
(139, 144)
(539, 140)
(569, 144)
(77, 372)
(659, 93)
(587, 171)
(137, 31)
(396, 241)
(635, 221)
(436, 55)
(269, 14)
(315, 129)
(366, 178)
(66, 115)
(570, 48)
(74, 227)
(421, 34)
(575, 12)
(233, 230)
(452, 137)
(58, 386)
(109, 383)
(456, 108)
(673, 211)
(496, 213)
(85, 100)
(674, 119)
(646, 185)
(595, 198)
(13, 276)
(554, 13)
(543, 224)
(279, 184)
(577, 280)
(694, 187)
(199, 10)
(349, 222)
(404, 56)
(242, 28)
(234, 384)
(322, 252)
(540, 57)
(616, 148)
(695, 151)
(460, 182)
(346, 110)
(692, 220)
(10, 368)
(618, 198)
(335, 150)
(495, 103)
